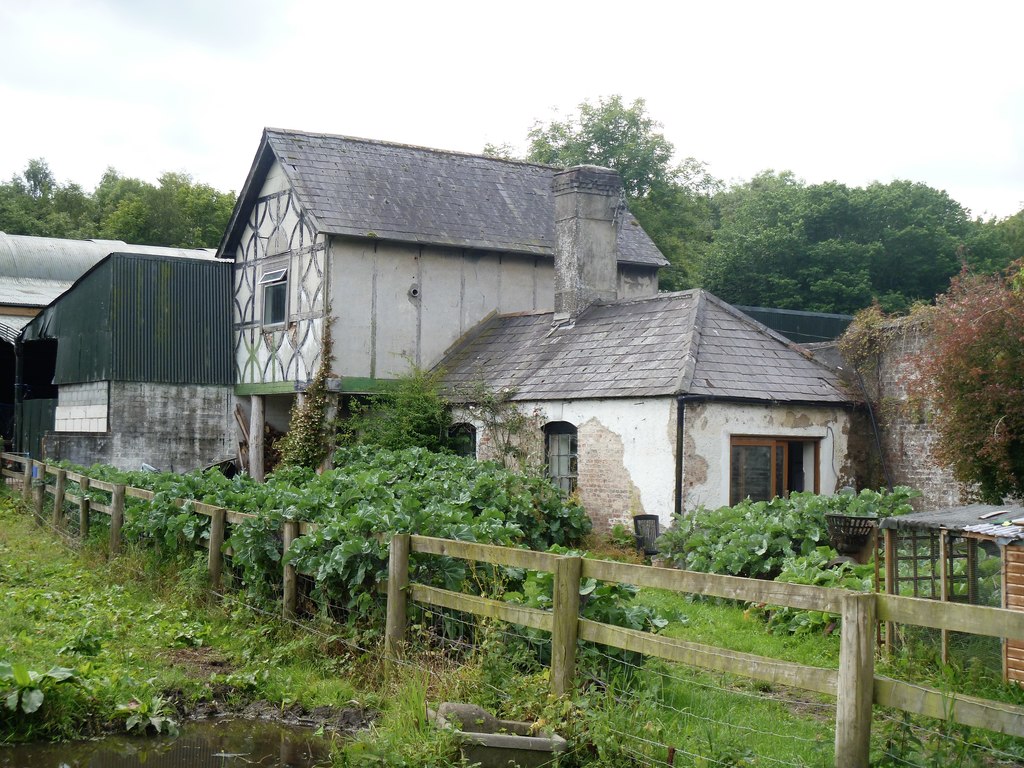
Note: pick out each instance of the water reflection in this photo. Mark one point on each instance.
(203, 744)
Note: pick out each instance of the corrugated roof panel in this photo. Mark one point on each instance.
(138, 317)
(171, 320)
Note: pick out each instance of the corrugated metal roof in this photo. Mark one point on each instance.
(672, 344)
(56, 259)
(32, 291)
(801, 327)
(997, 522)
(171, 320)
(10, 327)
(139, 317)
(366, 188)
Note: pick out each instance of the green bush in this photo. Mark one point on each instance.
(373, 492)
(815, 569)
(756, 538)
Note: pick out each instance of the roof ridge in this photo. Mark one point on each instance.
(689, 367)
(742, 316)
(643, 299)
(419, 147)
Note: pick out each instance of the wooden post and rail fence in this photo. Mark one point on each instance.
(854, 684)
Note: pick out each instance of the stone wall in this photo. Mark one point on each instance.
(907, 436)
(169, 426)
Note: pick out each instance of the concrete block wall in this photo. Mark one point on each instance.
(82, 407)
(171, 427)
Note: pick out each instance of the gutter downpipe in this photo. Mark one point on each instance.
(681, 401)
(19, 393)
(875, 430)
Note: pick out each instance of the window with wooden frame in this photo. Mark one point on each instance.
(765, 467)
(560, 453)
(274, 286)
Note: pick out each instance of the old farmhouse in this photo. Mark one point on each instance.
(515, 278)
(529, 279)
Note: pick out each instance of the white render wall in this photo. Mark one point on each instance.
(627, 449)
(626, 452)
(709, 428)
(396, 303)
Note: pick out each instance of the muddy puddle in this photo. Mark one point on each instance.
(220, 743)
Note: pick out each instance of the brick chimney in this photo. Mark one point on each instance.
(587, 202)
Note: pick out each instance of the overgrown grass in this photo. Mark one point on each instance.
(137, 627)
(133, 628)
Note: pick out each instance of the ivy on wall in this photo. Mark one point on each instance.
(310, 433)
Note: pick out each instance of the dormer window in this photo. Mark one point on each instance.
(274, 283)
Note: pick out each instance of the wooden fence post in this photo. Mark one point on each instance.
(856, 682)
(83, 509)
(215, 562)
(26, 480)
(116, 519)
(398, 583)
(565, 627)
(890, 583)
(39, 494)
(58, 498)
(291, 533)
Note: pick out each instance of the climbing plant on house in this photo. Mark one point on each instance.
(308, 441)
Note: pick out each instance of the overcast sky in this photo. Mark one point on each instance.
(856, 92)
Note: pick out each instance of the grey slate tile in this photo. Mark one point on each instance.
(623, 350)
(415, 194)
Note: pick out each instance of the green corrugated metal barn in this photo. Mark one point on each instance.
(139, 349)
(142, 318)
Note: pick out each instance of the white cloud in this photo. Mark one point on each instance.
(927, 91)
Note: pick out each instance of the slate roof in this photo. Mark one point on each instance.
(686, 343)
(367, 188)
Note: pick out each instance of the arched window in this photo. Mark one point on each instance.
(560, 454)
(462, 438)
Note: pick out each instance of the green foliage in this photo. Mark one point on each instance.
(831, 248)
(403, 738)
(814, 569)
(307, 442)
(417, 491)
(25, 687)
(610, 134)
(176, 212)
(751, 539)
(149, 713)
(972, 373)
(410, 413)
(671, 201)
(372, 493)
(757, 538)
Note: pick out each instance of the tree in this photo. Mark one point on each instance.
(612, 135)
(831, 248)
(973, 376)
(178, 212)
(672, 201)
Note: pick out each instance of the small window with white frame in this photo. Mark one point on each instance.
(274, 287)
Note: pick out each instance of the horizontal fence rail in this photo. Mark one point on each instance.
(854, 684)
